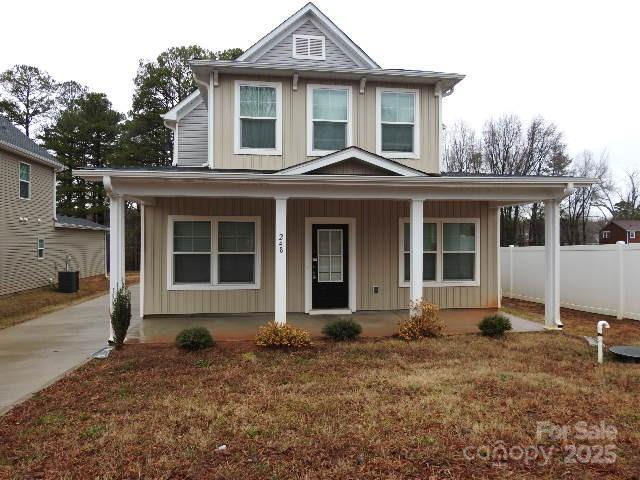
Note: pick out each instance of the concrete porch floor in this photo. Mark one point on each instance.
(163, 329)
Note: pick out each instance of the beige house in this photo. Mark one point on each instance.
(35, 243)
(306, 178)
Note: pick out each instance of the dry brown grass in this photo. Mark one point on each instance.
(22, 306)
(368, 409)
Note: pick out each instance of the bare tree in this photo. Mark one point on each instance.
(463, 152)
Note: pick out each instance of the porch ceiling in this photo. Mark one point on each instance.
(499, 191)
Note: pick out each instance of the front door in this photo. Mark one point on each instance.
(330, 271)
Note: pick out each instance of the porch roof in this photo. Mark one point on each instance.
(146, 183)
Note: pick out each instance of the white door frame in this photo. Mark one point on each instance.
(351, 224)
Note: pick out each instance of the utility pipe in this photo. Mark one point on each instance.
(601, 324)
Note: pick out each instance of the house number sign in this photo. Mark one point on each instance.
(281, 242)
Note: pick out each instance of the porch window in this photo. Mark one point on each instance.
(191, 252)
(25, 180)
(209, 253)
(258, 107)
(329, 117)
(450, 253)
(397, 125)
(236, 252)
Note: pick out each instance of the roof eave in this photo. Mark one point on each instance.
(56, 165)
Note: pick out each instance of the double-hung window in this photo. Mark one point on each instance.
(328, 118)
(40, 249)
(258, 122)
(209, 253)
(398, 132)
(450, 254)
(25, 180)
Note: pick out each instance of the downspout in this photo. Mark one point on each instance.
(172, 125)
(208, 86)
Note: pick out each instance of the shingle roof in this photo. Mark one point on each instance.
(15, 140)
(629, 225)
(62, 221)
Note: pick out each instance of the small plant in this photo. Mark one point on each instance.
(274, 335)
(494, 325)
(195, 338)
(342, 329)
(203, 363)
(423, 322)
(121, 315)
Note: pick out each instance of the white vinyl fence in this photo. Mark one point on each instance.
(593, 278)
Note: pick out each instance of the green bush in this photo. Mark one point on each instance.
(342, 329)
(121, 315)
(494, 325)
(195, 338)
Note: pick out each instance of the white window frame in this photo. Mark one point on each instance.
(38, 248)
(632, 234)
(349, 139)
(331, 255)
(237, 149)
(214, 285)
(439, 282)
(308, 56)
(605, 234)
(28, 182)
(416, 123)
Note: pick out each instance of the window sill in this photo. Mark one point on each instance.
(258, 151)
(207, 286)
(448, 283)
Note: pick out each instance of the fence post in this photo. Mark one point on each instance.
(620, 253)
(511, 271)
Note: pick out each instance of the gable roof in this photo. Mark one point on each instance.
(17, 142)
(62, 221)
(628, 225)
(309, 12)
(183, 108)
(349, 153)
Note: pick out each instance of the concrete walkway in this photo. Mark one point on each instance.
(35, 353)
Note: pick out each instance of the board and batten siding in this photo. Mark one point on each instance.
(377, 225)
(20, 268)
(192, 137)
(282, 52)
(294, 124)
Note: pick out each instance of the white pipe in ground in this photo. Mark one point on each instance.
(601, 324)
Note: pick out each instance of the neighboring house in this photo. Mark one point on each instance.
(306, 178)
(627, 231)
(34, 243)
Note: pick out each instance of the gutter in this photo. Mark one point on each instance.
(33, 156)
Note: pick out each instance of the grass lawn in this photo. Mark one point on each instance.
(367, 410)
(21, 306)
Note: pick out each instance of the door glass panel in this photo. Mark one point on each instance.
(324, 245)
(324, 263)
(330, 259)
(336, 242)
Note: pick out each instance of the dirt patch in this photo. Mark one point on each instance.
(368, 410)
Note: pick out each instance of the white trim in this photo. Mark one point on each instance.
(176, 144)
(340, 38)
(415, 154)
(308, 55)
(280, 262)
(56, 165)
(184, 107)
(237, 149)
(346, 154)
(330, 311)
(142, 240)
(28, 182)
(308, 223)
(439, 282)
(349, 122)
(214, 285)
(211, 120)
(44, 246)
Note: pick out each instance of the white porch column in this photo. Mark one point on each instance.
(417, 221)
(116, 249)
(552, 264)
(280, 279)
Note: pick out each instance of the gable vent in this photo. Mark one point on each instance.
(309, 46)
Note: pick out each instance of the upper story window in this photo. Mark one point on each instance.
(309, 47)
(258, 123)
(605, 234)
(398, 133)
(632, 235)
(40, 249)
(328, 118)
(25, 180)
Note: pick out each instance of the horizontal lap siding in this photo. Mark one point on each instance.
(377, 255)
(192, 137)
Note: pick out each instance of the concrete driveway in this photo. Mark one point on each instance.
(35, 353)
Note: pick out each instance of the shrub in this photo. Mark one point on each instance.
(195, 338)
(282, 336)
(121, 315)
(494, 325)
(342, 329)
(423, 322)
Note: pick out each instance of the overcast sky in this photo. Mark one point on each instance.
(577, 63)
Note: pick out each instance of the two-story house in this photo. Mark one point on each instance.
(35, 243)
(306, 178)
